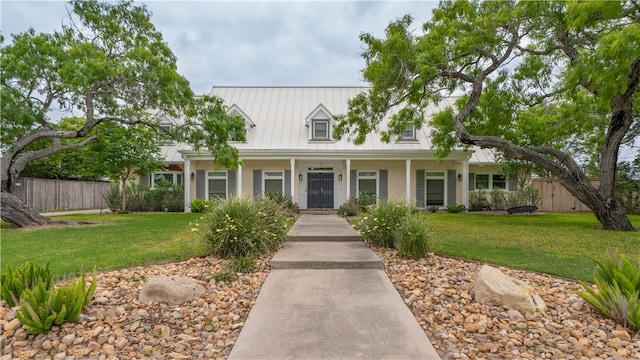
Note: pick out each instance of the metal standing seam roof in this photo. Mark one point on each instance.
(280, 114)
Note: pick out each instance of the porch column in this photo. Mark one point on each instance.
(465, 183)
(294, 178)
(408, 182)
(348, 176)
(239, 184)
(187, 185)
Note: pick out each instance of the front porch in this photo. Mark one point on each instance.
(325, 181)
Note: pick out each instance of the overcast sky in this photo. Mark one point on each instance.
(251, 42)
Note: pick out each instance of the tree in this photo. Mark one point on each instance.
(121, 153)
(64, 165)
(546, 82)
(111, 65)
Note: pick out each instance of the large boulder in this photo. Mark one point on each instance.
(172, 290)
(493, 287)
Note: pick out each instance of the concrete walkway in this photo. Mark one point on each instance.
(329, 299)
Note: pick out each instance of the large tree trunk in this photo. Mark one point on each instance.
(613, 217)
(16, 212)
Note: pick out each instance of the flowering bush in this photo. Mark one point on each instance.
(241, 227)
(378, 226)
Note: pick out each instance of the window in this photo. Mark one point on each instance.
(368, 183)
(499, 182)
(165, 129)
(166, 178)
(434, 188)
(320, 129)
(273, 182)
(490, 181)
(409, 133)
(482, 181)
(217, 184)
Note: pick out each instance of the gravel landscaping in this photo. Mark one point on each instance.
(437, 289)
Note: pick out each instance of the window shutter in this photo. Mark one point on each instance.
(420, 190)
(257, 182)
(472, 183)
(354, 185)
(287, 183)
(384, 184)
(231, 183)
(512, 186)
(145, 179)
(200, 184)
(451, 187)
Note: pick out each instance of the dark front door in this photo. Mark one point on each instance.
(320, 190)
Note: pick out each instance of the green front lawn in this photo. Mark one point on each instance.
(112, 242)
(559, 244)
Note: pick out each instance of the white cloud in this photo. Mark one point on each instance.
(251, 42)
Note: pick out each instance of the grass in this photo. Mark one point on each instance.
(112, 242)
(558, 244)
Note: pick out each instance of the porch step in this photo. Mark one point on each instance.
(326, 255)
(318, 211)
(322, 228)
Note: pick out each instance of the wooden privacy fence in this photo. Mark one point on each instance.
(56, 195)
(555, 198)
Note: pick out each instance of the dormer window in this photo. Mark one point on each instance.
(409, 133)
(319, 124)
(234, 110)
(165, 128)
(320, 129)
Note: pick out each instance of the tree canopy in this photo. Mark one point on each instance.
(108, 64)
(553, 83)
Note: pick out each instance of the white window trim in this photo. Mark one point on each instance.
(414, 134)
(376, 178)
(490, 188)
(166, 125)
(264, 179)
(442, 177)
(218, 177)
(314, 122)
(174, 179)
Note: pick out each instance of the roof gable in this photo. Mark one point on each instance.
(319, 113)
(234, 110)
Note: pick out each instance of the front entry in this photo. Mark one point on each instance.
(320, 190)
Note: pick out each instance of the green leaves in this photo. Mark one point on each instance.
(618, 295)
(42, 307)
(27, 276)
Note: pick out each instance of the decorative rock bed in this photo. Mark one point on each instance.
(116, 325)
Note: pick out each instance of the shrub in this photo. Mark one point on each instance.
(378, 225)
(618, 296)
(113, 198)
(527, 196)
(350, 208)
(27, 276)
(498, 200)
(478, 201)
(41, 308)
(454, 209)
(244, 227)
(433, 209)
(411, 237)
(244, 264)
(200, 205)
(286, 202)
(366, 200)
